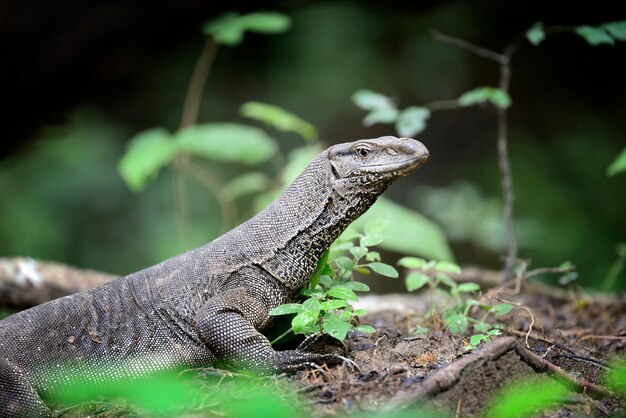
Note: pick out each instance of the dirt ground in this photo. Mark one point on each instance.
(574, 337)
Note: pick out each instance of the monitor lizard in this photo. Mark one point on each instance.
(209, 303)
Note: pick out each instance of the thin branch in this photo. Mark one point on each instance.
(504, 60)
(505, 169)
(546, 270)
(189, 117)
(200, 74)
(474, 49)
(443, 105)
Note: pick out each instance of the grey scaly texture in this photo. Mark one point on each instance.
(206, 304)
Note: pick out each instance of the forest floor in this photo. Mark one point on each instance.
(552, 335)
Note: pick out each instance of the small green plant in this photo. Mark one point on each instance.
(332, 287)
(477, 339)
(455, 305)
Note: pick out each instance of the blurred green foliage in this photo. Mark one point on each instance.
(525, 398)
(175, 393)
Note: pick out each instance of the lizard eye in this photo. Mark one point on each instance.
(362, 152)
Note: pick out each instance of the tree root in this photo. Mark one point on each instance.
(444, 379)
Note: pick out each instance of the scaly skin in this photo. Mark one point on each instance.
(206, 304)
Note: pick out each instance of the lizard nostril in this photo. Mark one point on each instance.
(391, 151)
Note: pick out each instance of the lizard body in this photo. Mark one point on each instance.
(206, 304)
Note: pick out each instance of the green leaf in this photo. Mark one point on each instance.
(341, 247)
(384, 269)
(482, 327)
(526, 397)
(420, 330)
(615, 377)
(345, 263)
(412, 262)
(369, 100)
(336, 328)
(616, 29)
(469, 287)
(497, 97)
(312, 305)
(500, 98)
(494, 332)
(457, 323)
(358, 252)
(287, 308)
(229, 142)
(594, 35)
(501, 309)
(476, 339)
(366, 329)
(357, 286)
(343, 292)
(305, 322)
(448, 267)
(445, 279)
(475, 96)
(416, 280)
(383, 115)
(147, 152)
(326, 281)
(330, 305)
(375, 226)
(373, 256)
(618, 165)
(410, 233)
(371, 240)
(316, 293)
(322, 268)
(247, 184)
(230, 28)
(536, 34)
(412, 121)
(278, 118)
(359, 312)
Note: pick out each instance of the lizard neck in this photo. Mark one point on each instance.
(319, 208)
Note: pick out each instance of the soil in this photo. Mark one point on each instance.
(551, 335)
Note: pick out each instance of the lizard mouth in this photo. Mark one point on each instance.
(404, 166)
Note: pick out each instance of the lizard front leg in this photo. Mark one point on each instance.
(227, 324)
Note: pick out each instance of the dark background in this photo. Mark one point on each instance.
(78, 79)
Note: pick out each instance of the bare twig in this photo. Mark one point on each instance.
(504, 60)
(462, 44)
(602, 337)
(189, 117)
(443, 105)
(197, 82)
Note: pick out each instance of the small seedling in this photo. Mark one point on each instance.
(332, 287)
(456, 305)
(477, 339)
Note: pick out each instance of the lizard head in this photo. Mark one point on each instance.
(377, 161)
